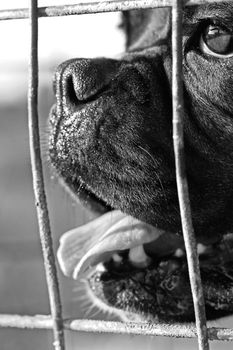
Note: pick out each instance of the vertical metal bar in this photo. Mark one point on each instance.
(38, 183)
(182, 185)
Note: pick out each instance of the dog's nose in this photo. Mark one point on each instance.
(80, 80)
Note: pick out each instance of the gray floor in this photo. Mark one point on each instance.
(22, 282)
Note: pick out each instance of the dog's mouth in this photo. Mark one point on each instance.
(142, 270)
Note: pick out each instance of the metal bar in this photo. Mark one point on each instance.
(175, 330)
(182, 185)
(96, 7)
(38, 183)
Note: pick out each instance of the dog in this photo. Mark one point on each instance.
(111, 144)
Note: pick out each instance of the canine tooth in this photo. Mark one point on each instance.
(179, 253)
(138, 257)
(100, 267)
(117, 258)
(201, 248)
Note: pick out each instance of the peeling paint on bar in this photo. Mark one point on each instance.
(182, 184)
(38, 183)
(96, 7)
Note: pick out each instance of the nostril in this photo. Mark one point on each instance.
(76, 94)
(70, 91)
(83, 80)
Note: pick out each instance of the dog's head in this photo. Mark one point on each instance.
(111, 143)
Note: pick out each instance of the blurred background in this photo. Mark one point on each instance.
(22, 281)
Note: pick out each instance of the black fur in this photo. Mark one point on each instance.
(111, 130)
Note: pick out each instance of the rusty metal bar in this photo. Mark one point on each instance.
(182, 185)
(96, 326)
(96, 7)
(38, 183)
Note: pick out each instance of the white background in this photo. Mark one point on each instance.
(59, 39)
(89, 35)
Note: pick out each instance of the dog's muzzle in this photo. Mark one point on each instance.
(111, 143)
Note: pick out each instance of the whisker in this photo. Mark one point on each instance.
(155, 165)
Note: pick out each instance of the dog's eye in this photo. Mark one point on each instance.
(217, 41)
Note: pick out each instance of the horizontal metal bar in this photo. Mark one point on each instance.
(96, 7)
(96, 326)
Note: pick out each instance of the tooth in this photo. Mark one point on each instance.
(117, 258)
(179, 253)
(100, 267)
(201, 248)
(138, 257)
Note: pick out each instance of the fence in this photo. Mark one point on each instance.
(55, 320)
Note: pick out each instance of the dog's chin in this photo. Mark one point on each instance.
(144, 278)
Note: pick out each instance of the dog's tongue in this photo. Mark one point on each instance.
(87, 245)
